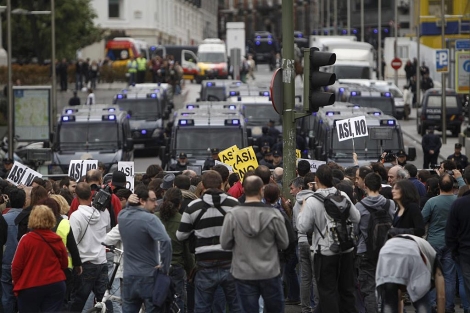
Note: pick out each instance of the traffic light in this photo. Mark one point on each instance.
(315, 80)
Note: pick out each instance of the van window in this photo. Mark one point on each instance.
(211, 57)
(351, 72)
(384, 104)
(435, 101)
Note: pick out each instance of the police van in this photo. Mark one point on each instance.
(200, 130)
(146, 114)
(164, 92)
(95, 132)
(367, 97)
(384, 133)
(258, 111)
(217, 90)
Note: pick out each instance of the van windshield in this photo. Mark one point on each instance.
(265, 47)
(140, 107)
(385, 104)
(211, 57)
(260, 114)
(90, 136)
(118, 54)
(196, 140)
(435, 101)
(351, 72)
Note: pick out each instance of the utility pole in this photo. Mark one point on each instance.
(379, 44)
(53, 68)
(335, 13)
(10, 87)
(418, 72)
(349, 17)
(443, 74)
(288, 80)
(395, 24)
(362, 21)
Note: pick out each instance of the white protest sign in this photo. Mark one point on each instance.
(79, 168)
(351, 128)
(230, 169)
(22, 175)
(314, 164)
(128, 169)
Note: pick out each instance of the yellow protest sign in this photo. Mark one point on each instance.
(227, 156)
(297, 153)
(245, 160)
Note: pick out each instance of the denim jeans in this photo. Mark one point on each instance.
(116, 286)
(335, 282)
(78, 82)
(219, 304)
(132, 77)
(8, 298)
(210, 276)
(94, 278)
(249, 292)
(178, 276)
(444, 255)
(462, 293)
(464, 262)
(291, 278)
(138, 290)
(47, 298)
(307, 279)
(389, 295)
(366, 279)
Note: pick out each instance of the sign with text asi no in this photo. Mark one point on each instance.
(79, 168)
(245, 160)
(351, 128)
(128, 169)
(442, 60)
(22, 175)
(227, 156)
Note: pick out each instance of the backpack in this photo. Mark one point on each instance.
(380, 223)
(339, 230)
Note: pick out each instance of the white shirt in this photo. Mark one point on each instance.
(90, 99)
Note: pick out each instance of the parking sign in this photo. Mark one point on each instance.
(442, 60)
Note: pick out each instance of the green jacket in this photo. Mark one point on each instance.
(181, 255)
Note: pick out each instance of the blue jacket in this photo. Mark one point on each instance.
(12, 241)
(140, 233)
(419, 186)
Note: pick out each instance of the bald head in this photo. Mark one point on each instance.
(392, 174)
(252, 186)
(93, 177)
(277, 173)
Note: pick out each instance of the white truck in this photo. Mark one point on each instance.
(354, 60)
(321, 41)
(235, 37)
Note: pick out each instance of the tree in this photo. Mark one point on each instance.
(31, 34)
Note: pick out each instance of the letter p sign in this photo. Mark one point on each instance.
(442, 60)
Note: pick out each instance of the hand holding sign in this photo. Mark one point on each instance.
(22, 175)
(245, 160)
(351, 128)
(128, 169)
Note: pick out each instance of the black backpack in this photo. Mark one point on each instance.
(380, 223)
(339, 232)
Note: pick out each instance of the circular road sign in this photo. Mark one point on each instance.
(396, 64)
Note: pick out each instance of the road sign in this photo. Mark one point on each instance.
(442, 60)
(277, 91)
(396, 64)
(462, 44)
(462, 71)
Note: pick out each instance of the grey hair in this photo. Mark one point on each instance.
(297, 182)
(402, 174)
(277, 173)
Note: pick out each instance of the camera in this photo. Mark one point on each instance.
(102, 199)
(451, 173)
(390, 156)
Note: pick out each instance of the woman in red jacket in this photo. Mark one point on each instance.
(38, 266)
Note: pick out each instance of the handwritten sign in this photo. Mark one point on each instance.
(22, 175)
(245, 160)
(351, 128)
(228, 155)
(314, 164)
(79, 168)
(128, 169)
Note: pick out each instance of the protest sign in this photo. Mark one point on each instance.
(22, 175)
(128, 169)
(244, 161)
(230, 169)
(351, 128)
(314, 164)
(79, 168)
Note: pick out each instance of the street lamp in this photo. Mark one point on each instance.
(10, 71)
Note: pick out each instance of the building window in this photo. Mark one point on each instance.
(402, 52)
(114, 8)
(435, 7)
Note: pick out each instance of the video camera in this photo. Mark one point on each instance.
(102, 199)
(389, 156)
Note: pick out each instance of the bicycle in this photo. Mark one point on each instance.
(100, 307)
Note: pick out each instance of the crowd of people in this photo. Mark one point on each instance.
(356, 239)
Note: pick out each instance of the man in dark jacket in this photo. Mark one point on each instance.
(431, 145)
(181, 164)
(460, 160)
(183, 183)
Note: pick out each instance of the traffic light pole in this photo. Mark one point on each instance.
(288, 81)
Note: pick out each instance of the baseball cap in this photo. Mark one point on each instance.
(7, 161)
(214, 151)
(276, 153)
(268, 152)
(458, 146)
(118, 179)
(401, 153)
(182, 155)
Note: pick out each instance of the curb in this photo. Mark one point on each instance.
(441, 157)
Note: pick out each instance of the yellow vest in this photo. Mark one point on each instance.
(131, 66)
(63, 231)
(141, 64)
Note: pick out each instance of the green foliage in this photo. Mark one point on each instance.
(31, 34)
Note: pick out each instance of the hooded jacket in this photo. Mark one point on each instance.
(254, 232)
(376, 203)
(299, 201)
(313, 212)
(207, 230)
(39, 260)
(89, 229)
(188, 196)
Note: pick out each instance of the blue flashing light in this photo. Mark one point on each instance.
(353, 93)
(386, 30)
(112, 117)
(344, 31)
(210, 84)
(232, 122)
(354, 31)
(314, 114)
(377, 113)
(119, 96)
(388, 122)
(258, 37)
(386, 94)
(264, 93)
(192, 106)
(299, 35)
(109, 117)
(375, 31)
(186, 122)
(321, 121)
(128, 116)
(269, 36)
(143, 131)
(230, 107)
(329, 113)
(257, 42)
(111, 110)
(356, 106)
(69, 111)
(325, 32)
(152, 95)
(153, 48)
(341, 89)
(270, 42)
(68, 118)
(234, 93)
